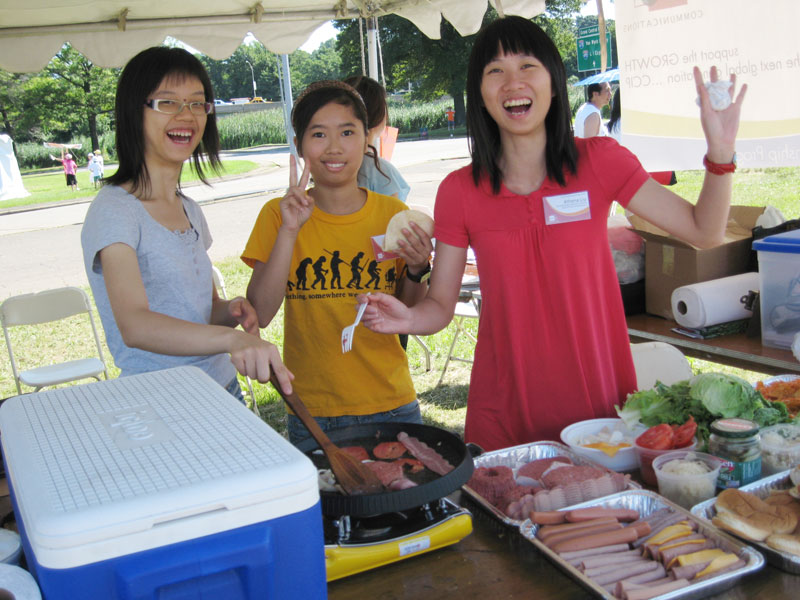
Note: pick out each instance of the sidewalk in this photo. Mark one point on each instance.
(40, 249)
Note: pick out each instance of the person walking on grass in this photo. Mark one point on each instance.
(70, 169)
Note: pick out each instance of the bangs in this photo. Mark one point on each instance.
(511, 37)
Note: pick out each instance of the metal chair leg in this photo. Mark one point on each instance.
(426, 350)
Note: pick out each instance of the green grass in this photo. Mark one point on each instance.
(51, 186)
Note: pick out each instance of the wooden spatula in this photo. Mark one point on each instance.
(354, 477)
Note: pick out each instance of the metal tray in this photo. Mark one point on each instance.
(646, 503)
(519, 455)
(761, 488)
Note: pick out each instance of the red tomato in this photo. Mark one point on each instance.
(685, 433)
(659, 437)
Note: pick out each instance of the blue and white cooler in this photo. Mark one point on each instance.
(163, 486)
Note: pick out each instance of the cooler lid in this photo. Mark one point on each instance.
(103, 460)
(788, 242)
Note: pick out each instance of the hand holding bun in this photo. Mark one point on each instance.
(394, 230)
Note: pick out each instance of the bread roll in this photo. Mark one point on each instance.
(785, 543)
(394, 230)
(750, 517)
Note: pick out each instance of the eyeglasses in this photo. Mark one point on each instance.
(173, 107)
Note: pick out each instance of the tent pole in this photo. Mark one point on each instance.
(286, 96)
(372, 47)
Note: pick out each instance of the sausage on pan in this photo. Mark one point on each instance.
(587, 514)
(606, 538)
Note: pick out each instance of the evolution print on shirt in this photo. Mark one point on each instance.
(331, 272)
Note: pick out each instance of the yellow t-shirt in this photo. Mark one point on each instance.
(332, 262)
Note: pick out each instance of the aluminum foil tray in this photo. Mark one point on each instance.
(517, 456)
(646, 503)
(761, 488)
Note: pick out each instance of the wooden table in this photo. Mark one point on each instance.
(496, 562)
(736, 350)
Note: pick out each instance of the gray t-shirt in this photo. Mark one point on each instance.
(175, 269)
(390, 184)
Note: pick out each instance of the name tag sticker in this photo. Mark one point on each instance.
(567, 208)
(377, 249)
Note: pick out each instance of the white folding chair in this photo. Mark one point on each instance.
(219, 283)
(659, 361)
(46, 307)
(469, 309)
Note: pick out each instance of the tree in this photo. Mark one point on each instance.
(322, 63)
(83, 89)
(438, 67)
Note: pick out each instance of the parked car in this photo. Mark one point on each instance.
(240, 100)
(218, 102)
(257, 100)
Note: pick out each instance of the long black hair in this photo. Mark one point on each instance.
(140, 77)
(616, 111)
(516, 35)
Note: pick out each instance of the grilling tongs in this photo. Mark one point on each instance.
(354, 476)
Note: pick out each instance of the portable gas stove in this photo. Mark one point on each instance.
(356, 544)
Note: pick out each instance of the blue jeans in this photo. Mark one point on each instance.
(408, 413)
(235, 390)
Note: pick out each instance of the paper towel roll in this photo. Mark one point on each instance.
(712, 302)
(18, 582)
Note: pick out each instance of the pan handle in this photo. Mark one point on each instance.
(294, 402)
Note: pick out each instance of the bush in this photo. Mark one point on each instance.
(31, 155)
(251, 129)
(410, 118)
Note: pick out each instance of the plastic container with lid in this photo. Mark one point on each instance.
(737, 442)
(779, 274)
(780, 448)
(646, 456)
(687, 477)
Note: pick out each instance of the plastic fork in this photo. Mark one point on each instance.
(349, 331)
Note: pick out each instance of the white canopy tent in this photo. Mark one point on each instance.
(111, 31)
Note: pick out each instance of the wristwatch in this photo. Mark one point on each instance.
(423, 275)
(718, 168)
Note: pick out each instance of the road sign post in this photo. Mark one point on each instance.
(589, 48)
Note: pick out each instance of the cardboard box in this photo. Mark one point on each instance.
(671, 263)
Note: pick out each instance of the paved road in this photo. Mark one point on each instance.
(40, 249)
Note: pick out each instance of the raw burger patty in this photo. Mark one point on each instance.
(389, 450)
(356, 452)
(535, 468)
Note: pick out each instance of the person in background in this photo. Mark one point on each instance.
(376, 173)
(70, 169)
(451, 120)
(145, 243)
(589, 119)
(99, 167)
(370, 383)
(614, 127)
(553, 344)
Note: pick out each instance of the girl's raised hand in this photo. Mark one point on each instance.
(416, 249)
(385, 313)
(719, 126)
(296, 205)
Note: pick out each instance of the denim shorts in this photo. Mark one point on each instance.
(235, 390)
(408, 413)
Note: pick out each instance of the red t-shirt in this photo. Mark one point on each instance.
(553, 344)
(451, 115)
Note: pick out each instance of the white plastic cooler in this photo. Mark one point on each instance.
(163, 486)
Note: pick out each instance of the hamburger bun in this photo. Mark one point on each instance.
(785, 543)
(394, 230)
(749, 516)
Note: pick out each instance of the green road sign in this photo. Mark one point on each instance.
(589, 48)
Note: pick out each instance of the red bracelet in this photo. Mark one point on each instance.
(719, 169)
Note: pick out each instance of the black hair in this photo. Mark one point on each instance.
(374, 96)
(140, 77)
(592, 89)
(616, 111)
(516, 35)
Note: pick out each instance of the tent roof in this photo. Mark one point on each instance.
(109, 32)
(610, 75)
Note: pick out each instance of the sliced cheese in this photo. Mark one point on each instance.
(700, 556)
(670, 533)
(609, 449)
(718, 563)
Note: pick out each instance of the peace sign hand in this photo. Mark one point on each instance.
(296, 205)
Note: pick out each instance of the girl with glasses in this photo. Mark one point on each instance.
(145, 243)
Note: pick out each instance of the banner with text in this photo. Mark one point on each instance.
(659, 41)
